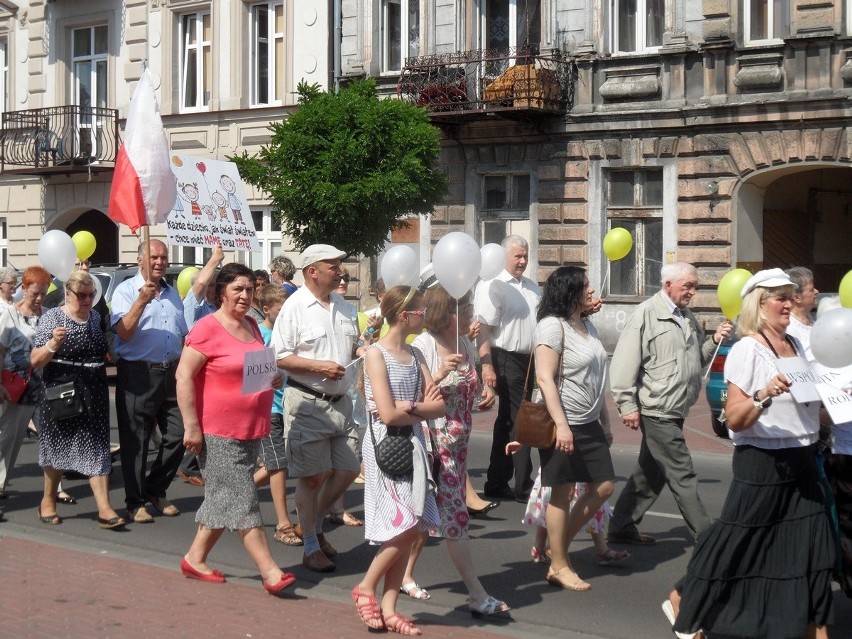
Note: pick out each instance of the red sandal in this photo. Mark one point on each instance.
(402, 625)
(368, 610)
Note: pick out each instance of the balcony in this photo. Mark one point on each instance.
(513, 83)
(59, 140)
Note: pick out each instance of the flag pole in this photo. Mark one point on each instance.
(145, 235)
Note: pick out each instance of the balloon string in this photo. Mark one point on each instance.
(603, 285)
(715, 352)
(458, 338)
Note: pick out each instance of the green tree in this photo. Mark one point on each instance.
(347, 167)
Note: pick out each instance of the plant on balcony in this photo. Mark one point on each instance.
(347, 167)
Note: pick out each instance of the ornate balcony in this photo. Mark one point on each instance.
(65, 139)
(513, 83)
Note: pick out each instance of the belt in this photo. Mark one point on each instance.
(310, 391)
(85, 364)
(156, 366)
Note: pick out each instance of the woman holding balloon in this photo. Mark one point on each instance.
(763, 569)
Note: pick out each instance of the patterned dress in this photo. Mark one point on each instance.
(80, 443)
(389, 502)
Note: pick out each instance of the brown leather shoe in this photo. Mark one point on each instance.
(327, 549)
(164, 506)
(139, 515)
(318, 562)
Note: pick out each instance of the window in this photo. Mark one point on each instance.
(267, 53)
(268, 231)
(766, 20)
(635, 203)
(510, 23)
(195, 61)
(400, 32)
(4, 243)
(639, 25)
(4, 77)
(89, 60)
(197, 255)
(506, 207)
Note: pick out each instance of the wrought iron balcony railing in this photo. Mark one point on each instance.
(63, 139)
(483, 81)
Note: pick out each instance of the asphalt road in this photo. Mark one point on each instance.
(624, 601)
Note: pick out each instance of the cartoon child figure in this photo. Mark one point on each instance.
(219, 201)
(179, 208)
(231, 188)
(209, 211)
(191, 194)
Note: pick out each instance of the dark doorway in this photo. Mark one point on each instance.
(105, 232)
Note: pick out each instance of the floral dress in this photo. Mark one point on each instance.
(460, 390)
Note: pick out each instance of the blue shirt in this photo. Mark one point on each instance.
(161, 329)
(194, 310)
(278, 395)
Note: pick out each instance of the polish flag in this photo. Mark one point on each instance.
(143, 185)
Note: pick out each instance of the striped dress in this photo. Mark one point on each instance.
(388, 503)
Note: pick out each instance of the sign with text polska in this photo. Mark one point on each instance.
(211, 206)
(259, 370)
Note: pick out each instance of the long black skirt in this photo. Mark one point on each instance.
(763, 569)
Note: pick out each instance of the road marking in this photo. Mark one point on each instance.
(666, 515)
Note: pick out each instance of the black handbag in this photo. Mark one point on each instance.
(63, 399)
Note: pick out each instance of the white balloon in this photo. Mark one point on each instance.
(57, 253)
(831, 338)
(99, 290)
(399, 267)
(493, 261)
(457, 262)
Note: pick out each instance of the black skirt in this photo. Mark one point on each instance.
(590, 461)
(763, 569)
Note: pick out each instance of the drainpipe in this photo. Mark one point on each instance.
(338, 36)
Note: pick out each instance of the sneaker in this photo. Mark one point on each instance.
(164, 506)
(139, 515)
(318, 562)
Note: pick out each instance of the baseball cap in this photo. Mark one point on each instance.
(769, 278)
(319, 252)
(428, 278)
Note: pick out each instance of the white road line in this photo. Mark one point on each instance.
(666, 515)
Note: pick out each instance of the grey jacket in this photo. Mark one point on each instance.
(656, 367)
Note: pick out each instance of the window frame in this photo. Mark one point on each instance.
(203, 49)
(4, 74)
(4, 241)
(513, 24)
(87, 142)
(641, 32)
(276, 80)
(405, 28)
(639, 213)
(507, 214)
(771, 38)
(267, 236)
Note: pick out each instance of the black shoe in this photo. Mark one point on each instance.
(499, 493)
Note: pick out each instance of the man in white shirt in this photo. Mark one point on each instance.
(506, 308)
(314, 339)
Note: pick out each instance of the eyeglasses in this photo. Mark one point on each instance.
(420, 313)
(82, 296)
(345, 278)
(10, 283)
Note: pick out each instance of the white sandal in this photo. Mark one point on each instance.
(487, 607)
(414, 591)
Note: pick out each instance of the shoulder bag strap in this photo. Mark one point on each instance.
(559, 367)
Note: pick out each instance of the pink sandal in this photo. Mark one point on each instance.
(402, 625)
(368, 610)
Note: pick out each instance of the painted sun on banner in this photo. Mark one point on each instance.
(211, 206)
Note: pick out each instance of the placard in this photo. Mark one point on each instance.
(837, 377)
(837, 402)
(211, 206)
(802, 378)
(260, 368)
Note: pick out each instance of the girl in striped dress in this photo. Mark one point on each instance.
(400, 394)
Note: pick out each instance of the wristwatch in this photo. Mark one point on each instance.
(760, 405)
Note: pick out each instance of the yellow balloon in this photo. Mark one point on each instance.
(617, 243)
(52, 287)
(845, 290)
(362, 322)
(728, 292)
(184, 280)
(85, 244)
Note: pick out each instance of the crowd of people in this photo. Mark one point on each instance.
(328, 400)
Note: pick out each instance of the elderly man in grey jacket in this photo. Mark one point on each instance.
(655, 378)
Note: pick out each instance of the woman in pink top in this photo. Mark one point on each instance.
(225, 434)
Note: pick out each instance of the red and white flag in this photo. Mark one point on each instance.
(143, 185)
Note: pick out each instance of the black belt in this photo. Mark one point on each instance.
(310, 391)
(154, 366)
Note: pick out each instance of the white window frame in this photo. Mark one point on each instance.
(513, 23)
(514, 218)
(201, 49)
(646, 284)
(4, 75)
(272, 40)
(404, 30)
(772, 7)
(641, 34)
(90, 130)
(268, 236)
(4, 242)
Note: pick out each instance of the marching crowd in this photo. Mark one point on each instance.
(393, 409)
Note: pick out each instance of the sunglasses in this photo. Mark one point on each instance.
(82, 296)
(345, 278)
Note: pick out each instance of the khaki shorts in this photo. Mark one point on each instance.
(319, 434)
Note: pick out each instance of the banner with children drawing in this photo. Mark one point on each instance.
(211, 206)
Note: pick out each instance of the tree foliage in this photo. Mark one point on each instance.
(347, 167)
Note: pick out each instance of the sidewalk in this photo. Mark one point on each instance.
(72, 594)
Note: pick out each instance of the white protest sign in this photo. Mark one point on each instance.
(259, 369)
(837, 377)
(836, 402)
(802, 378)
(211, 206)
